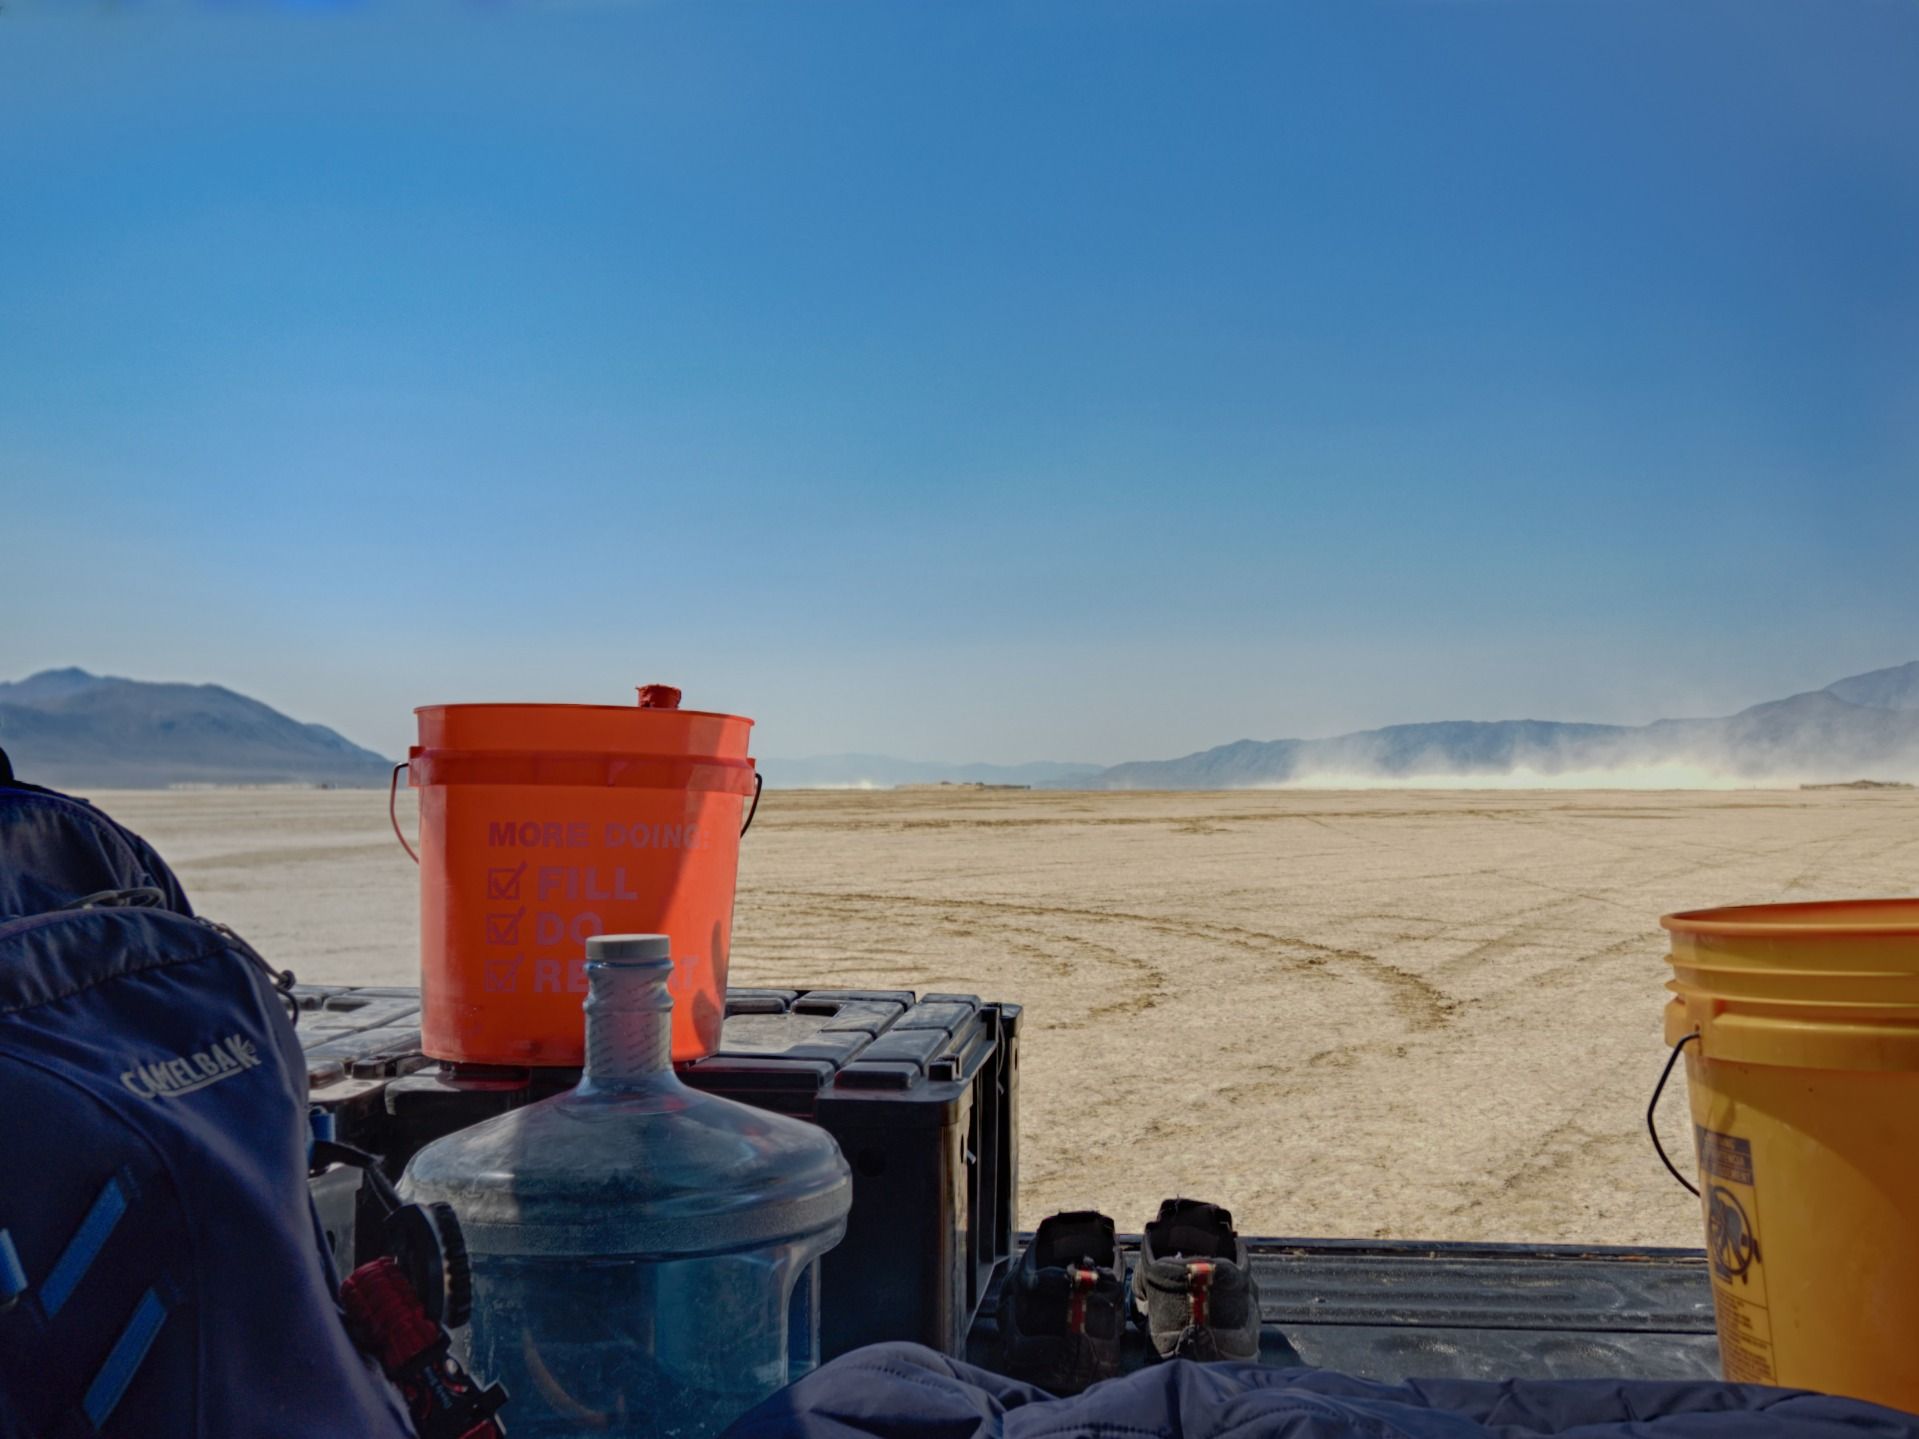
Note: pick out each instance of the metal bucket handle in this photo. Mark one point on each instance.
(1652, 1108)
(393, 811)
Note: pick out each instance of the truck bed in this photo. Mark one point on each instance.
(1400, 1309)
(1386, 1310)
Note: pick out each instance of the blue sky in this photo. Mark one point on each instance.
(1077, 381)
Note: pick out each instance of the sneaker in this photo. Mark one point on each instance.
(1062, 1309)
(1194, 1285)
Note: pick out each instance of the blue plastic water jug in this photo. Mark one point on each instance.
(645, 1256)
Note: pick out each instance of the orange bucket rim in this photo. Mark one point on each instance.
(567, 705)
(1830, 918)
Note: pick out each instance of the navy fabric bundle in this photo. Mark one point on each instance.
(55, 850)
(902, 1391)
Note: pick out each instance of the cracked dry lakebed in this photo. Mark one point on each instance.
(1414, 1014)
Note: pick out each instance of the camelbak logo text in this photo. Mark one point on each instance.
(164, 1078)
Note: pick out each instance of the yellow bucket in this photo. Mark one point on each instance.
(1801, 1028)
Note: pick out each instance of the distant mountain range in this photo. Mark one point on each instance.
(71, 729)
(1863, 727)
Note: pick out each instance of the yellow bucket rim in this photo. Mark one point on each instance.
(1828, 918)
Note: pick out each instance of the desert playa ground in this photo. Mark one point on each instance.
(1382, 1013)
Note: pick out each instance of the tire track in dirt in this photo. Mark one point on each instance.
(1563, 1154)
(1572, 968)
(1422, 1004)
(1058, 947)
(1586, 1135)
(1517, 925)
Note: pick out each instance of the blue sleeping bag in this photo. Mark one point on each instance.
(901, 1391)
(57, 849)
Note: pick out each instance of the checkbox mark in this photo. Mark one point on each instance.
(503, 975)
(504, 928)
(504, 883)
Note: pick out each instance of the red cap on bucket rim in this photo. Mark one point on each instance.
(1854, 917)
(455, 737)
(657, 697)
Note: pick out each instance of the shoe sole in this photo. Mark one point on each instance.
(1197, 1350)
(1063, 1364)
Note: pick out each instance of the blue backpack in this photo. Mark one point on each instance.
(162, 1270)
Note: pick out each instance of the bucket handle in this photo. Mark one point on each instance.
(393, 807)
(1652, 1108)
(393, 810)
(759, 783)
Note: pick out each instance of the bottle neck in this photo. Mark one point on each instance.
(629, 1025)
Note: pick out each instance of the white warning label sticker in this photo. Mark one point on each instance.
(1731, 1204)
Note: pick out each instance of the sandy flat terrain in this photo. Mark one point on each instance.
(1414, 1014)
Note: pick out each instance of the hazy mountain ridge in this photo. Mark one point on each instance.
(1889, 689)
(1863, 726)
(69, 728)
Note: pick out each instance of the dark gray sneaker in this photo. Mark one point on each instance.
(1194, 1285)
(1063, 1306)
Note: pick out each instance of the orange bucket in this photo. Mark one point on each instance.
(544, 824)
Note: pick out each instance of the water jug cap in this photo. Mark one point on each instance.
(629, 949)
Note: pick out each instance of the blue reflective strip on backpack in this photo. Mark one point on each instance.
(123, 1360)
(13, 1275)
(85, 1246)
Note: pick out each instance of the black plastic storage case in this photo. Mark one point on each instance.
(922, 1095)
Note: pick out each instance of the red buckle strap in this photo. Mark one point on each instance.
(382, 1306)
(1199, 1280)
